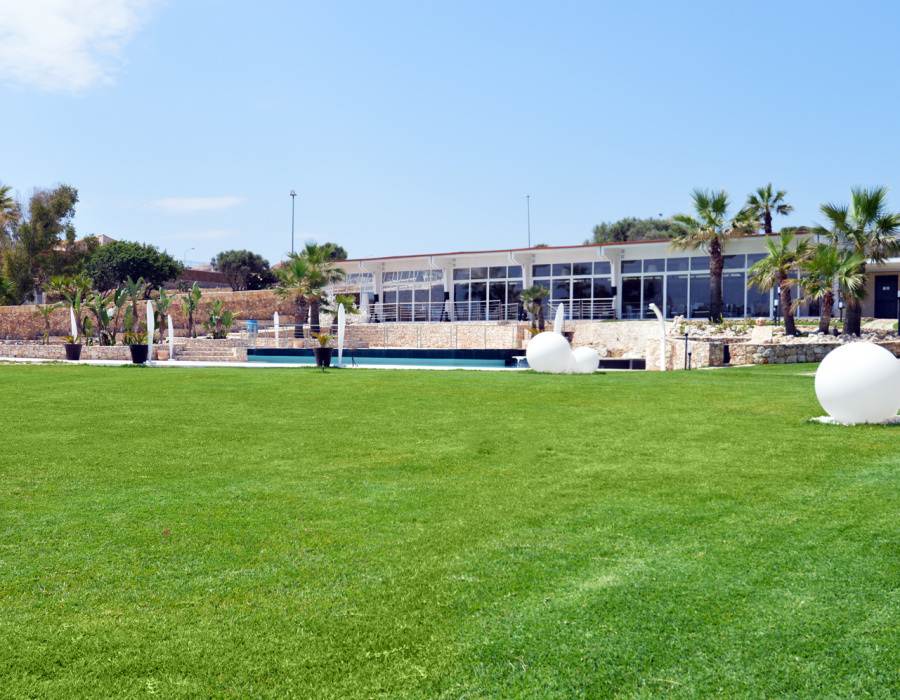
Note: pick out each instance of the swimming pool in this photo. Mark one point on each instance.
(396, 357)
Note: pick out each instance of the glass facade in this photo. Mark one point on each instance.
(412, 295)
(679, 286)
(678, 283)
(585, 288)
(482, 293)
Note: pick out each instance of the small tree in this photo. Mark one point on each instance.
(765, 202)
(711, 230)
(72, 293)
(161, 306)
(37, 237)
(45, 311)
(533, 301)
(245, 270)
(305, 277)
(830, 267)
(331, 306)
(775, 269)
(112, 264)
(220, 321)
(189, 303)
(866, 227)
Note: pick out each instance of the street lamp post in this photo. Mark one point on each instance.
(184, 259)
(776, 309)
(293, 194)
(528, 205)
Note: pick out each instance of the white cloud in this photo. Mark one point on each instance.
(182, 205)
(66, 45)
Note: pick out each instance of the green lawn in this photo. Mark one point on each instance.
(225, 533)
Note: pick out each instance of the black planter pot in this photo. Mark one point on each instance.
(323, 356)
(73, 351)
(139, 353)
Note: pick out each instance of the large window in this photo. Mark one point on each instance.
(679, 286)
(584, 288)
(482, 293)
(412, 295)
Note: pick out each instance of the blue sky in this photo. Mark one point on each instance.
(419, 126)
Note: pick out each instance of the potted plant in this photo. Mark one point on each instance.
(323, 353)
(136, 340)
(73, 347)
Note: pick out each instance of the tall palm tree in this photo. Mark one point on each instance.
(711, 230)
(866, 227)
(7, 206)
(831, 267)
(306, 276)
(775, 269)
(765, 202)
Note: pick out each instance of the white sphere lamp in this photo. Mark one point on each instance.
(550, 353)
(859, 383)
(586, 360)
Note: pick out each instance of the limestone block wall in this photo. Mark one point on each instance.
(615, 339)
(57, 351)
(771, 354)
(703, 354)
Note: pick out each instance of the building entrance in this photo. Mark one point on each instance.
(885, 296)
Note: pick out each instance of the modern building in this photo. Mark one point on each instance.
(613, 280)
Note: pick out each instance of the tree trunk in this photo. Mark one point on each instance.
(767, 221)
(825, 315)
(314, 316)
(716, 264)
(853, 320)
(787, 307)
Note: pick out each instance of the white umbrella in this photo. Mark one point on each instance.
(276, 329)
(150, 331)
(171, 338)
(560, 318)
(342, 324)
(74, 325)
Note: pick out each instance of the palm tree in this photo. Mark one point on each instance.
(775, 269)
(866, 228)
(306, 276)
(831, 267)
(7, 292)
(533, 301)
(711, 229)
(7, 206)
(764, 202)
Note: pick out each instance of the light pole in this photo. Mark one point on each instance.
(184, 259)
(528, 204)
(293, 194)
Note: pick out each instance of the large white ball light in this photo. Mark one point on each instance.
(859, 383)
(549, 352)
(586, 360)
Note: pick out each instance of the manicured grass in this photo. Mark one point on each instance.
(397, 534)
